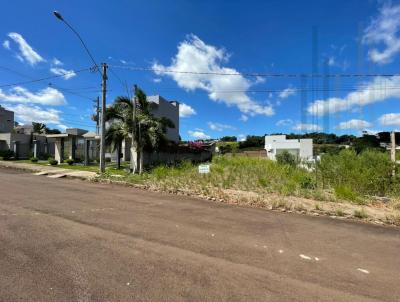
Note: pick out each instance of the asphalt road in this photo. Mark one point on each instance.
(70, 240)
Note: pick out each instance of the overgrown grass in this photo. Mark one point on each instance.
(346, 176)
(360, 214)
(353, 175)
(236, 172)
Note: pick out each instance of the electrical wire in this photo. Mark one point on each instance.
(282, 75)
(49, 84)
(44, 79)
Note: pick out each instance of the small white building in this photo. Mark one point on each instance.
(276, 144)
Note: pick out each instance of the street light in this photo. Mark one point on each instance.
(58, 15)
(103, 74)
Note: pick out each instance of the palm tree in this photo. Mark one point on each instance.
(115, 135)
(39, 128)
(148, 132)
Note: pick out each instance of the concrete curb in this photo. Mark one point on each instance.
(49, 170)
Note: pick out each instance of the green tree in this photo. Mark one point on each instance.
(148, 130)
(252, 141)
(228, 139)
(115, 135)
(39, 128)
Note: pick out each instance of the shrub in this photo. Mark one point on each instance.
(339, 212)
(6, 154)
(34, 159)
(286, 158)
(307, 182)
(360, 214)
(70, 161)
(346, 193)
(53, 162)
(368, 173)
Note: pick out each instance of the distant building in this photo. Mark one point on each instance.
(69, 145)
(276, 144)
(24, 129)
(160, 107)
(6, 120)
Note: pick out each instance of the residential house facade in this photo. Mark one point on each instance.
(276, 144)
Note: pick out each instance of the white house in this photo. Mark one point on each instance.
(276, 144)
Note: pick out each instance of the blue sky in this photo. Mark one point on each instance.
(240, 37)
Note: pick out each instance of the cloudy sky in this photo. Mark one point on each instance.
(237, 67)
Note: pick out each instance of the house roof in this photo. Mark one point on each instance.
(57, 135)
(91, 135)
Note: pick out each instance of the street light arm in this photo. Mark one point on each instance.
(59, 16)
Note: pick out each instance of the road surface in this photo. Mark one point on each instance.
(70, 240)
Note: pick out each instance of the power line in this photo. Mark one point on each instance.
(45, 78)
(282, 75)
(123, 84)
(70, 92)
(294, 89)
(66, 90)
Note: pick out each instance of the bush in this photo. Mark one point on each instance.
(70, 161)
(286, 158)
(367, 173)
(6, 154)
(53, 162)
(34, 159)
(346, 193)
(360, 214)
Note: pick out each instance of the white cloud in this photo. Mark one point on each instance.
(194, 55)
(46, 96)
(331, 61)
(384, 30)
(354, 124)
(219, 126)
(57, 62)
(66, 74)
(6, 44)
(307, 127)
(244, 118)
(285, 122)
(198, 134)
(378, 90)
(241, 138)
(28, 114)
(123, 61)
(157, 80)
(26, 51)
(62, 127)
(390, 119)
(287, 93)
(186, 110)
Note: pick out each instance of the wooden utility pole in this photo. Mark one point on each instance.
(103, 119)
(393, 151)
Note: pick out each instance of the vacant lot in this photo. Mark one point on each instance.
(344, 185)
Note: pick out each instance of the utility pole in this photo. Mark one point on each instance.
(134, 145)
(393, 151)
(97, 116)
(103, 119)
